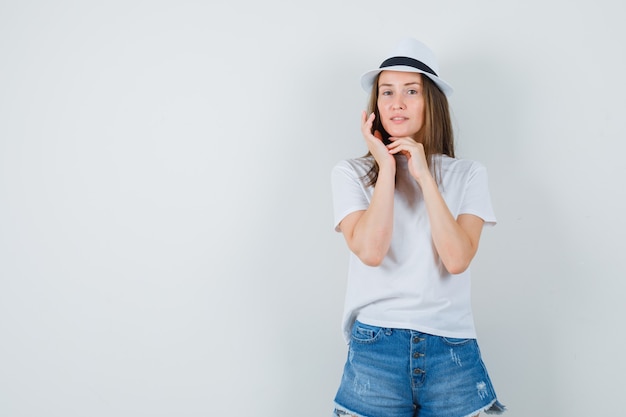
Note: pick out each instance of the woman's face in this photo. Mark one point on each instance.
(401, 103)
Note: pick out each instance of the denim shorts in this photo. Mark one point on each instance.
(405, 373)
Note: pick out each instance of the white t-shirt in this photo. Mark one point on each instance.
(411, 289)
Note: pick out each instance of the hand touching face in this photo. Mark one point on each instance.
(374, 141)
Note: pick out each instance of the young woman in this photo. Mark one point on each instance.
(412, 216)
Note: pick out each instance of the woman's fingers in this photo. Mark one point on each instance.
(414, 151)
(367, 123)
(374, 140)
(404, 145)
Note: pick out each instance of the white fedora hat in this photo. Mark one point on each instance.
(410, 55)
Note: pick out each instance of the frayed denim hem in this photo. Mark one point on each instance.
(342, 412)
(495, 407)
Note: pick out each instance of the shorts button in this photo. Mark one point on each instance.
(417, 371)
(416, 339)
(417, 355)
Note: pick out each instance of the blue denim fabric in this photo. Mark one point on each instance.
(404, 373)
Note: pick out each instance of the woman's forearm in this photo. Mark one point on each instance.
(456, 242)
(370, 236)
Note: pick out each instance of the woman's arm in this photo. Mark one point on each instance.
(368, 232)
(456, 240)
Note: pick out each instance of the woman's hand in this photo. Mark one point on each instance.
(375, 143)
(456, 240)
(414, 152)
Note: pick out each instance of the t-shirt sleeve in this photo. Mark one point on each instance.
(477, 200)
(348, 192)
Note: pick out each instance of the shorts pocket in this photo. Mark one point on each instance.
(365, 333)
(453, 341)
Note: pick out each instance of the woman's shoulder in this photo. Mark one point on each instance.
(359, 165)
(451, 164)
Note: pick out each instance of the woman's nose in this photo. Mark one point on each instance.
(397, 104)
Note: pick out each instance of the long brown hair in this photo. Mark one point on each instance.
(436, 135)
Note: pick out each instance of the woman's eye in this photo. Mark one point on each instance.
(412, 92)
(386, 93)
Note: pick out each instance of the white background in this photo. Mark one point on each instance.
(166, 242)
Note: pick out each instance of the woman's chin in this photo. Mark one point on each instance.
(401, 134)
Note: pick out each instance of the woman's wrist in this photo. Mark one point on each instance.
(388, 168)
(426, 180)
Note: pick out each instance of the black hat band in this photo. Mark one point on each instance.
(409, 62)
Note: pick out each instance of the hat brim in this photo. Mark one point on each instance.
(367, 79)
